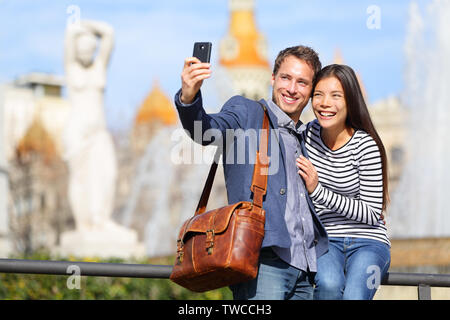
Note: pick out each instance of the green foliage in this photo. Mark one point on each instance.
(49, 287)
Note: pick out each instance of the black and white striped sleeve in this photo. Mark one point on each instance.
(368, 207)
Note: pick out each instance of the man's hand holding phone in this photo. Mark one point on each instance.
(195, 71)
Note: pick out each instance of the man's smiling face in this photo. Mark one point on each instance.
(292, 86)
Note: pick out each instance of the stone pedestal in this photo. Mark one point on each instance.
(5, 247)
(106, 242)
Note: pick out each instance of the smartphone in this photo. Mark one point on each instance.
(202, 51)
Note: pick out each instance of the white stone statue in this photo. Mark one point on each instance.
(89, 149)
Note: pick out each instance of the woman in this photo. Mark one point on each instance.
(346, 177)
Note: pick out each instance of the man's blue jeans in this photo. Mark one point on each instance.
(276, 280)
(352, 269)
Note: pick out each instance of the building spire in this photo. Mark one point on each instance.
(243, 53)
(156, 107)
(243, 45)
(242, 5)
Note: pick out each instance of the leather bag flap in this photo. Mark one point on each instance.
(217, 220)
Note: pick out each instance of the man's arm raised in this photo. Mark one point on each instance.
(192, 76)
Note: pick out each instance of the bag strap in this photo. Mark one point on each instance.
(260, 171)
(261, 168)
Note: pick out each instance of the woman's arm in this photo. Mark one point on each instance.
(367, 209)
(69, 43)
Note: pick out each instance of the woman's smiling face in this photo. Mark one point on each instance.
(329, 104)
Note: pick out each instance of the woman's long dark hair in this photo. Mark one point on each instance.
(358, 116)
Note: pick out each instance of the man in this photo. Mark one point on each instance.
(294, 236)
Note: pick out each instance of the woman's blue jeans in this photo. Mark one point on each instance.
(276, 280)
(352, 269)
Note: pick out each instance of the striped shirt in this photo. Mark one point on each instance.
(349, 196)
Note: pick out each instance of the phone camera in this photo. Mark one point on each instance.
(202, 47)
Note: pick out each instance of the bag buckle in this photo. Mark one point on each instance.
(210, 240)
(180, 252)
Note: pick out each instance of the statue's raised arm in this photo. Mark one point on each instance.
(82, 40)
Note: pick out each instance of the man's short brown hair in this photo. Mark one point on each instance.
(304, 53)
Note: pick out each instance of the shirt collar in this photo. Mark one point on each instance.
(283, 120)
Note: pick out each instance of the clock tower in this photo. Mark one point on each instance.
(243, 53)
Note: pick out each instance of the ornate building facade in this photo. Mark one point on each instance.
(34, 116)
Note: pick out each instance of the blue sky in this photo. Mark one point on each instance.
(154, 37)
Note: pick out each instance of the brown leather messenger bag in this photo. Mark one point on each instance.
(221, 247)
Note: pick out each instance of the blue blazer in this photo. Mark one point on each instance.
(241, 113)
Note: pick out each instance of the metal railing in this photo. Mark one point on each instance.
(422, 281)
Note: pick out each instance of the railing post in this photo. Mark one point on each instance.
(424, 292)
